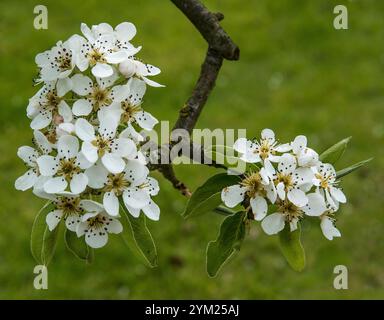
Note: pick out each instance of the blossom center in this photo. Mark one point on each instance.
(100, 97)
(68, 168)
(96, 56)
(69, 206)
(286, 179)
(253, 184)
(103, 145)
(290, 211)
(116, 183)
(324, 181)
(129, 111)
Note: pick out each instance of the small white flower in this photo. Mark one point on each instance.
(67, 207)
(287, 212)
(134, 68)
(58, 62)
(306, 157)
(325, 181)
(105, 144)
(98, 53)
(30, 155)
(328, 228)
(289, 179)
(96, 224)
(130, 110)
(254, 186)
(96, 95)
(66, 168)
(48, 105)
(264, 150)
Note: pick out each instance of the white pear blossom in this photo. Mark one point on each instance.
(96, 95)
(49, 106)
(306, 157)
(325, 181)
(105, 144)
(264, 150)
(30, 155)
(66, 168)
(287, 212)
(96, 224)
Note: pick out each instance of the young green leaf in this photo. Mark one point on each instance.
(292, 248)
(137, 237)
(43, 241)
(78, 246)
(348, 170)
(334, 153)
(228, 242)
(208, 196)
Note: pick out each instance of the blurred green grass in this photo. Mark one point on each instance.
(297, 75)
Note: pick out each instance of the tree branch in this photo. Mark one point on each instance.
(220, 47)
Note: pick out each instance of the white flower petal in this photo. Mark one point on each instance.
(28, 155)
(53, 218)
(268, 134)
(152, 83)
(299, 144)
(233, 195)
(89, 151)
(96, 238)
(152, 211)
(116, 57)
(55, 185)
(114, 226)
(42, 142)
(79, 183)
(111, 203)
(48, 165)
(81, 85)
(315, 206)
(145, 120)
(136, 172)
(287, 164)
(280, 188)
(67, 146)
(136, 198)
(124, 148)
(297, 197)
(125, 31)
(337, 194)
(259, 207)
(72, 222)
(91, 206)
(102, 70)
(63, 86)
(81, 107)
(41, 121)
(113, 163)
(328, 229)
(283, 147)
(97, 176)
(26, 181)
(84, 130)
(273, 223)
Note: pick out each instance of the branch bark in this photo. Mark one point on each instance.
(220, 47)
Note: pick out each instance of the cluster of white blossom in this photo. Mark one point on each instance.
(291, 180)
(86, 119)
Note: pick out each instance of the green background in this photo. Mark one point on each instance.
(296, 75)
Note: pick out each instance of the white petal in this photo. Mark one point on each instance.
(152, 83)
(152, 211)
(137, 90)
(233, 195)
(152, 186)
(48, 165)
(280, 188)
(315, 206)
(273, 223)
(72, 222)
(41, 121)
(79, 183)
(283, 147)
(287, 164)
(84, 130)
(91, 206)
(108, 125)
(268, 134)
(303, 176)
(293, 224)
(328, 229)
(82, 85)
(63, 86)
(114, 163)
(26, 181)
(133, 211)
(28, 155)
(102, 70)
(89, 151)
(271, 192)
(55, 185)
(67, 146)
(337, 194)
(42, 141)
(125, 31)
(111, 203)
(242, 145)
(251, 157)
(146, 120)
(116, 57)
(97, 176)
(65, 128)
(259, 207)
(53, 218)
(96, 239)
(136, 198)
(87, 32)
(136, 172)
(124, 148)
(297, 197)
(81, 107)
(299, 144)
(83, 162)
(114, 226)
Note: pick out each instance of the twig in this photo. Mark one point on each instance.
(220, 47)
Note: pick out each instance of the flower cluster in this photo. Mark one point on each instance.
(290, 180)
(86, 120)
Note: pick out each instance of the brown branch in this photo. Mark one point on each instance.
(220, 47)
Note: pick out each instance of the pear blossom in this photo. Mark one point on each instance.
(96, 224)
(287, 212)
(30, 155)
(66, 168)
(49, 106)
(104, 143)
(325, 181)
(306, 157)
(264, 150)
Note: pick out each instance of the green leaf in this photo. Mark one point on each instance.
(335, 152)
(228, 242)
(137, 237)
(43, 241)
(208, 196)
(348, 170)
(292, 248)
(78, 246)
